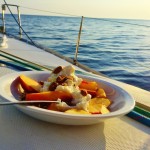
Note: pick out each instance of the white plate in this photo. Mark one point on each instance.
(122, 102)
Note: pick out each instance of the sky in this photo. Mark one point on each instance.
(125, 9)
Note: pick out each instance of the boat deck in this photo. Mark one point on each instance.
(32, 53)
(21, 132)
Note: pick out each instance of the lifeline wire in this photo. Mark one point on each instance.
(103, 19)
(18, 24)
(52, 12)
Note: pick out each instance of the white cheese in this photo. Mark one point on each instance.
(72, 86)
(45, 86)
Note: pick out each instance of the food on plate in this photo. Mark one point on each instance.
(88, 85)
(29, 85)
(98, 105)
(73, 94)
(49, 95)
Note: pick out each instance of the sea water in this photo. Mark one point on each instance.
(118, 48)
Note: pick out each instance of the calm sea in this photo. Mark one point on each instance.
(118, 48)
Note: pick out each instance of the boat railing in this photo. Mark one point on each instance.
(3, 17)
(22, 30)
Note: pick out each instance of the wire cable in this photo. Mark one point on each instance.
(103, 19)
(52, 12)
(110, 20)
(19, 24)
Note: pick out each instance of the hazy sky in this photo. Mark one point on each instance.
(132, 9)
